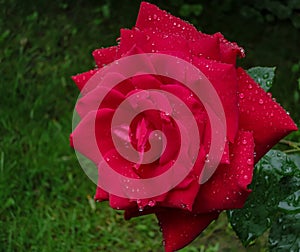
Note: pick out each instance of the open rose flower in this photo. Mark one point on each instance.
(254, 122)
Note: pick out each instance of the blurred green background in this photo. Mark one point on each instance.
(45, 198)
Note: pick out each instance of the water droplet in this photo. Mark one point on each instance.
(244, 141)
(241, 95)
(250, 86)
(183, 206)
(268, 83)
(151, 203)
(261, 101)
(246, 177)
(149, 18)
(266, 76)
(154, 16)
(107, 159)
(249, 161)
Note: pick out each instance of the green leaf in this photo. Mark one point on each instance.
(263, 76)
(276, 177)
(284, 234)
(291, 204)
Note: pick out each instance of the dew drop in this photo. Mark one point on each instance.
(249, 161)
(261, 101)
(268, 83)
(266, 76)
(183, 206)
(250, 86)
(151, 203)
(154, 16)
(241, 95)
(244, 141)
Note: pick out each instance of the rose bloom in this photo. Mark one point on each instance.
(254, 121)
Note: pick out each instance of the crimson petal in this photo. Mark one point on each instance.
(154, 19)
(227, 188)
(260, 114)
(181, 227)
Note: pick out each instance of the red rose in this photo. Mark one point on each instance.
(254, 124)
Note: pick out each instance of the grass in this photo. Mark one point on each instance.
(44, 194)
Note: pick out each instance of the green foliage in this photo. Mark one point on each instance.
(284, 234)
(263, 76)
(275, 188)
(187, 10)
(265, 11)
(296, 72)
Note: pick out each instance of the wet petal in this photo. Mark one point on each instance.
(181, 227)
(223, 77)
(208, 46)
(260, 114)
(82, 78)
(104, 56)
(229, 50)
(152, 18)
(227, 188)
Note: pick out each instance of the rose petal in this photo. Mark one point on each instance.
(229, 50)
(105, 56)
(101, 195)
(223, 77)
(261, 114)
(181, 227)
(207, 46)
(91, 102)
(83, 137)
(227, 188)
(152, 18)
(82, 78)
(149, 42)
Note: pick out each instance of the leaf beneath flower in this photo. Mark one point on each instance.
(263, 76)
(276, 178)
